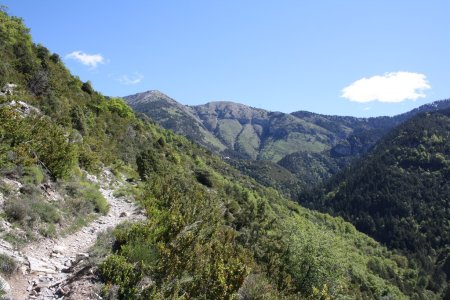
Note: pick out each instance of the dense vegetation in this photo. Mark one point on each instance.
(400, 194)
(312, 147)
(211, 232)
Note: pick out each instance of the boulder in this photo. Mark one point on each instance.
(40, 266)
(6, 288)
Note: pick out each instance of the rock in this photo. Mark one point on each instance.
(6, 288)
(45, 279)
(8, 250)
(62, 291)
(8, 89)
(123, 214)
(81, 256)
(39, 266)
(46, 293)
(68, 263)
(2, 200)
(56, 255)
(58, 249)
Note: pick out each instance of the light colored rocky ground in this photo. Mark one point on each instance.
(50, 266)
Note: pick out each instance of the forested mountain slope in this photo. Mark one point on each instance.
(210, 233)
(400, 193)
(311, 146)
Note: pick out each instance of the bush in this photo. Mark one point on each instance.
(102, 247)
(255, 287)
(7, 265)
(33, 175)
(85, 198)
(29, 209)
(100, 204)
(46, 212)
(149, 162)
(116, 270)
(205, 178)
(119, 106)
(87, 87)
(48, 230)
(16, 210)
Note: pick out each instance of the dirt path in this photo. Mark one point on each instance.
(51, 261)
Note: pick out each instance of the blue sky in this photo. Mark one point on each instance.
(277, 55)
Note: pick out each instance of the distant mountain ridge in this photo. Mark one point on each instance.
(311, 146)
(173, 115)
(247, 132)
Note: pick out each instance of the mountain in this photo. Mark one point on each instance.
(172, 115)
(400, 193)
(209, 232)
(243, 131)
(312, 147)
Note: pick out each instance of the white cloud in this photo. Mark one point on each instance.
(390, 87)
(91, 60)
(131, 80)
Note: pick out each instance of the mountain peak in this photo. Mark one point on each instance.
(148, 97)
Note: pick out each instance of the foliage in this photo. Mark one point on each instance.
(36, 139)
(7, 265)
(311, 146)
(28, 210)
(85, 197)
(209, 230)
(117, 105)
(272, 175)
(399, 194)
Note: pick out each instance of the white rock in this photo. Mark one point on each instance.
(7, 288)
(39, 266)
(59, 249)
(68, 263)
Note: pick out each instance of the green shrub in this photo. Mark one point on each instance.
(78, 207)
(119, 106)
(204, 177)
(116, 270)
(84, 198)
(33, 175)
(121, 192)
(149, 162)
(100, 204)
(17, 240)
(257, 287)
(7, 265)
(16, 210)
(46, 212)
(48, 230)
(102, 247)
(29, 209)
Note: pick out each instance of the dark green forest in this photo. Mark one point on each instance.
(399, 194)
(211, 232)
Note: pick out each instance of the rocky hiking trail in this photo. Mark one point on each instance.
(49, 268)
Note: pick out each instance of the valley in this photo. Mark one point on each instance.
(145, 198)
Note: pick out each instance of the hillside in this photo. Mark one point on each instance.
(172, 115)
(247, 132)
(210, 232)
(311, 146)
(400, 193)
